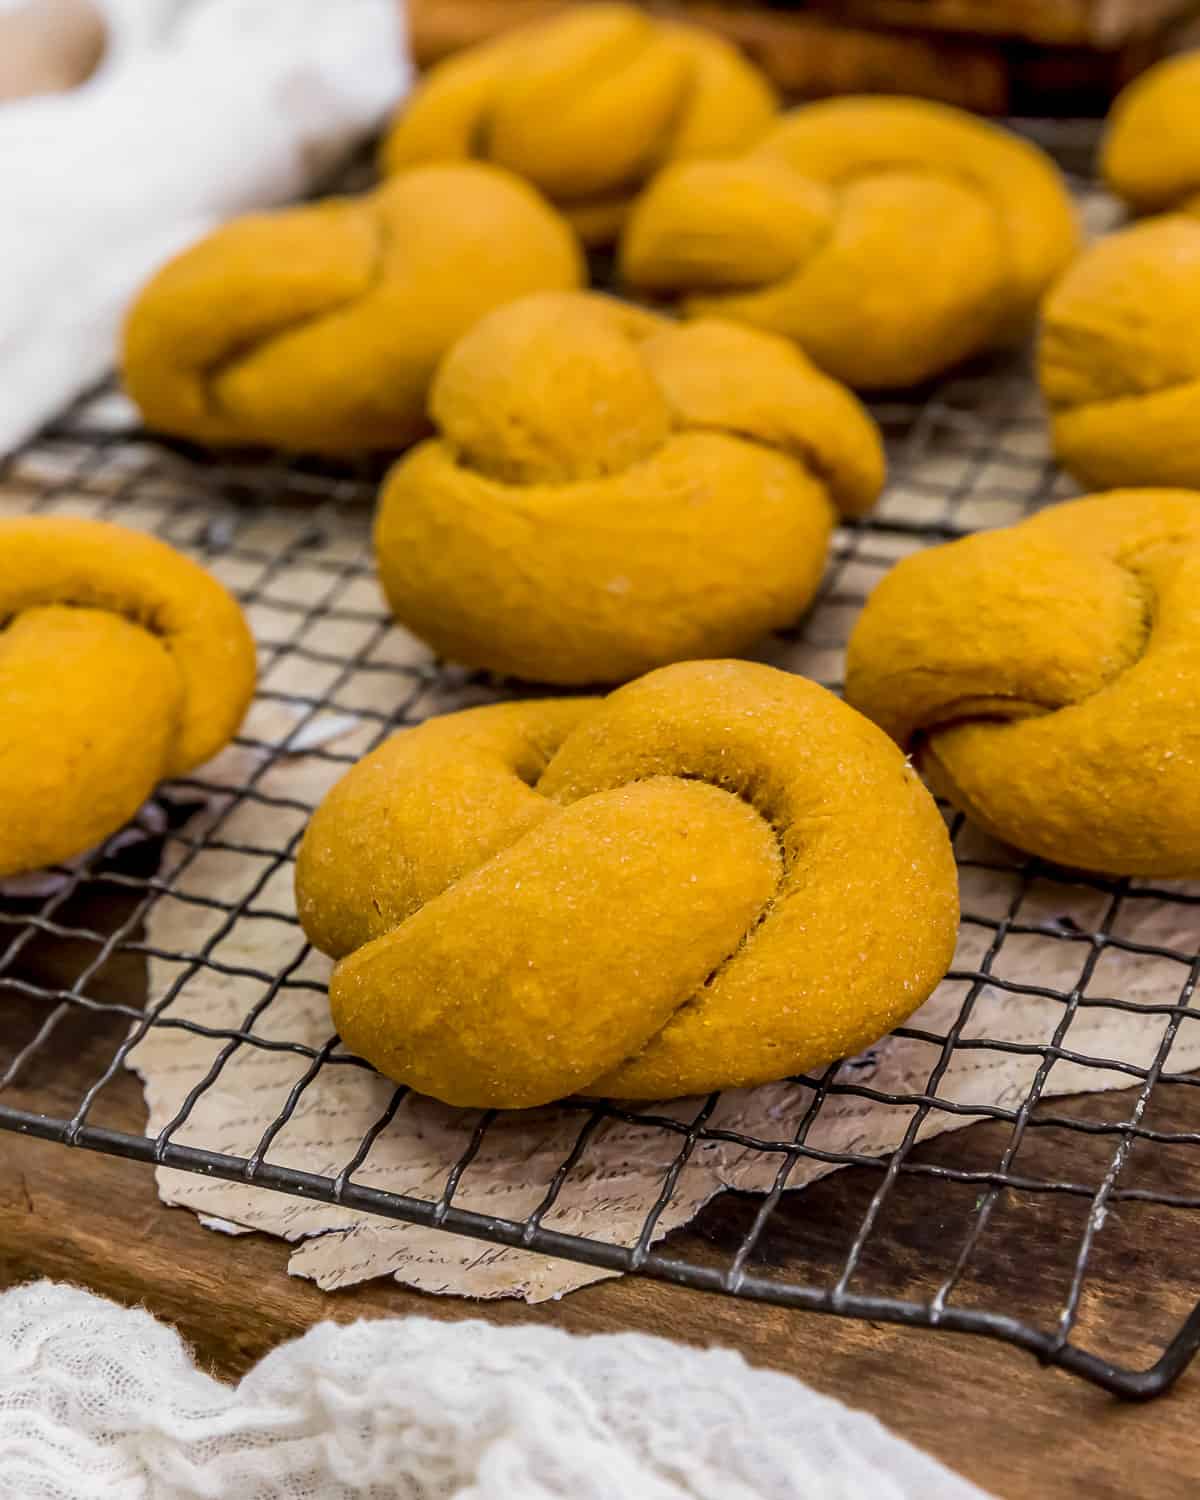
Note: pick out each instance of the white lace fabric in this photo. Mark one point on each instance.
(100, 1402)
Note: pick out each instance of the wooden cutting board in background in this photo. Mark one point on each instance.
(1090, 23)
(1049, 57)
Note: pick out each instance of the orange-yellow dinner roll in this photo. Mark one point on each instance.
(1150, 155)
(609, 491)
(718, 876)
(1047, 678)
(890, 238)
(1119, 358)
(121, 662)
(318, 328)
(587, 105)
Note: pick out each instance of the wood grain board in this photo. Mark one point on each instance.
(984, 1408)
(1096, 23)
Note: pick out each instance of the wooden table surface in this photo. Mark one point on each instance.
(986, 1409)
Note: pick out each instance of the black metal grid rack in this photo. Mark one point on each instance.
(968, 454)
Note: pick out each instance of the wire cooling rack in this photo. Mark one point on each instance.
(292, 538)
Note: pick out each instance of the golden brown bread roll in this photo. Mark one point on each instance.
(1119, 358)
(587, 105)
(717, 876)
(1047, 678)
(609, 491)
(122, 662)
(318, 328)
(1150, 155)
(890, 238)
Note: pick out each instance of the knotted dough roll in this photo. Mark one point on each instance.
(890, 238)
(121, 663)
(1119, 358)
(609, 491)
(717, 876)
(318, 328)
(1150, 155)
(587, 105)
(1047, 679)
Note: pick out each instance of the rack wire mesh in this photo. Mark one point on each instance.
(292, 539)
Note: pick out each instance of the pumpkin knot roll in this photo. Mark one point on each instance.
(121, 662)
(890, 238)
(1150, 155)
(610, 491)
(317, 328)
(1047, 679)
(718, 876)
(587, 105)
(1119, 358)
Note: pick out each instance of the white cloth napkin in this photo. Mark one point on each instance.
(202, 109)
(99, 1402)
